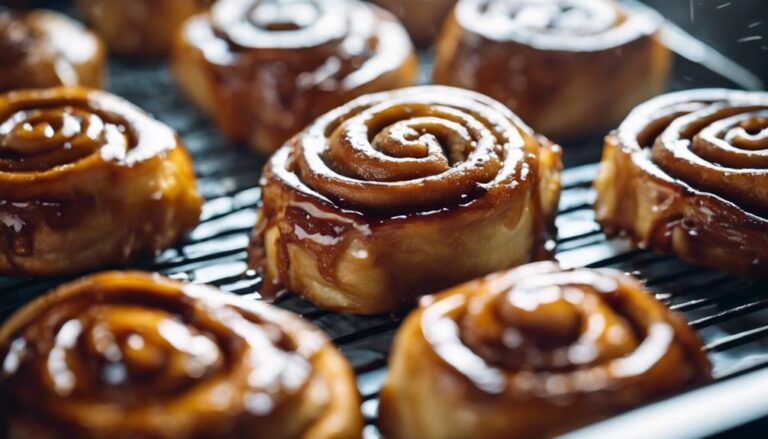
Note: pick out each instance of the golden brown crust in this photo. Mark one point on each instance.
(422, 18)
(40, 49)
(139, 27)
(517, 52)
(685, 174)
(86, 180)
(534, 352)
(127, 354)
(265, 70)
(402, 193)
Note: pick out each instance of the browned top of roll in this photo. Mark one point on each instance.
(411, 150)
(564, 25)
(712, 142)
(519, 332)
(57, 134)
(132, 354)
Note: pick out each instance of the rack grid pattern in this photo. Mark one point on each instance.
(730, 314)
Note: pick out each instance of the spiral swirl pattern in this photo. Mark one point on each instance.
(412, 150)
(577, 25)
(54, 132)
(395, 179)
(285, 63)
(703, 153)
(130, 354)
(296, 24)
(43, 138)
(561, 346)
(515, 51)
(84, 169)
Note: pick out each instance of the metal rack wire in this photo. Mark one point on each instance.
(730, 314)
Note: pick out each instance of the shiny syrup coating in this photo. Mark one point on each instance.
(84, 169)
(128, 354)
(533, 352)
(40, 49)
(685, 174)
(401, 178)
(516, 50)
(264, 70)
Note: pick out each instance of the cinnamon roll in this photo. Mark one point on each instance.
(40, 49)
(422, 18)
(686, 174)
(264, 69)
(127, 355)
(569, 68)
(534, 352)
(87, 179)
(139, 27)
(402, 193)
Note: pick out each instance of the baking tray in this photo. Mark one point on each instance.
(730, 314)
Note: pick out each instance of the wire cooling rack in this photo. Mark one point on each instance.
(730, 314)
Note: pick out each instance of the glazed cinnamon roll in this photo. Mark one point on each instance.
(265, 69)
(402, 193)
(40, 49)
(139, 27)
(569, 68)
(686, 174)
(534, 352)
(127, 355)
(87, 179)
(422, 18)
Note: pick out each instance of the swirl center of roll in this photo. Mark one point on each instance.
(39, 139)
(721, 149)
(414, 153)
(554, 322)
(141, 354)
(271, 25)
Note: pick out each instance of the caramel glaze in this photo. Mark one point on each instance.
(40, 49)
(402, 193)
(85, 170)
(127, 355)
(264, 70)
(517, 52)
(139, 27)
(422, 18)
(534, 352)
(685, 174)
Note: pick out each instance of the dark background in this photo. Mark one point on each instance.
(724, 24)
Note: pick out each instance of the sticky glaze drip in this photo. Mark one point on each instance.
(83, 168)
(125, 352)
(699, 159)
(416, 164)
